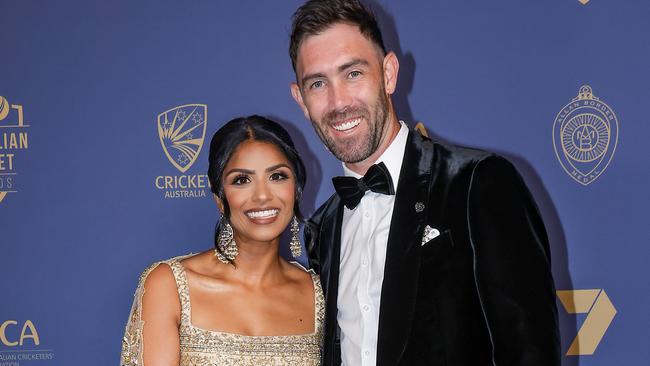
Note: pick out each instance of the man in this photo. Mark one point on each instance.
(429, 254)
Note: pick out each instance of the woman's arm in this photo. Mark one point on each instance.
(151, 336)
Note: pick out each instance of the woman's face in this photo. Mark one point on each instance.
(259, 186)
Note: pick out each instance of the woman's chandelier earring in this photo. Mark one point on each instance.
(295, 246)
(226, 249)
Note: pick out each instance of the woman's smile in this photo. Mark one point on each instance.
(262, 217)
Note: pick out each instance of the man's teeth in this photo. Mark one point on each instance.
(265, 213)
(348, 125)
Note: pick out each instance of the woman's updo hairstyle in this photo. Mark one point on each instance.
(252, 128)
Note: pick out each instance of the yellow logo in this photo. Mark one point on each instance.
(600, 313)
(13, 137)
(421, 129)
(182, 131)
(15, 335)
(585, 134)
(28, 332)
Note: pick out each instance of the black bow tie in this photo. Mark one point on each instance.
(351, 190)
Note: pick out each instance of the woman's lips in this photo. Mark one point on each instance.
(265, 216)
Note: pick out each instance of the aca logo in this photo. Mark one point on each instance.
(13, 139)
(28, 332)
(181, 131)
(16, 335)
(600, 313)
(585, 134)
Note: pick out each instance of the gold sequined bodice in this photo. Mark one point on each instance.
(199, 347)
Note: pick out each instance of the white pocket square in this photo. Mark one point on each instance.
(429, 233)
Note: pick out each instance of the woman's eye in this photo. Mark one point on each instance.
(240, 179)
(279, 176)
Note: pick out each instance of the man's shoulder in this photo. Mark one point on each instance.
(451, 154)
(446, 149)
(458, 163)
(478, 165)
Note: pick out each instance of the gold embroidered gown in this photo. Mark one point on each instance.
(199, 347)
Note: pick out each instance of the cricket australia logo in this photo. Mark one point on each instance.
(182, 131)
(585, 134)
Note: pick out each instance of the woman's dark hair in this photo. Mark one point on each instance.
(252, 128)
(315, 16)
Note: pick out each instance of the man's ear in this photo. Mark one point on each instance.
(391, 69)
(297, 96)
(219, 202)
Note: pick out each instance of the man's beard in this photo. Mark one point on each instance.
(358, 148)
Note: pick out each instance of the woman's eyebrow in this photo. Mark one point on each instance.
(240, 170)
(276, 167)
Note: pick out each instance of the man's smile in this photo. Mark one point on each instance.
(347, 124)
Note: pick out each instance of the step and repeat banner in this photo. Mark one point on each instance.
(95, 184)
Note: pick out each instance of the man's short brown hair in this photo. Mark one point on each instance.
(315, 16)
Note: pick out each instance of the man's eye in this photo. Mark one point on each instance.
(279, 176)
(316, 84)
(240, 180)
(354, 74)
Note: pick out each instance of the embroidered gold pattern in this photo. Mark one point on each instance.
(201, 347)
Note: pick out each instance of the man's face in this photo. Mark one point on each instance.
(343, 86)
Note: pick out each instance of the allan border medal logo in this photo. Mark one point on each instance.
(182, 132)
(585, 134)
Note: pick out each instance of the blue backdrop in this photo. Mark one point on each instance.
(82, 85)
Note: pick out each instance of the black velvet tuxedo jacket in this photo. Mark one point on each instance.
(481, 293)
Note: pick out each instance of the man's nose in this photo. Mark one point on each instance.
(340, 97)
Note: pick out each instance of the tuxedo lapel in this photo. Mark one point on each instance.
(329, 252)
(399, 288)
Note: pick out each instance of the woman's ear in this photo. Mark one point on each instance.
(219, 202)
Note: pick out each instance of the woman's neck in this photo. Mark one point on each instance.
(257, 264)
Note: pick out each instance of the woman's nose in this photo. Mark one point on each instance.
(262, 192)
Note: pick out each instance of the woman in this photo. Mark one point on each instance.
(248, 305)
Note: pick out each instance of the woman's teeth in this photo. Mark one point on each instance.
(261, 214)
(347, 125)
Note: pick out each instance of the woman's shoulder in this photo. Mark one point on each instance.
(162, 274)
(302, 269)
(156, 297)
(310, 284)
(302, 274)
(159, 287)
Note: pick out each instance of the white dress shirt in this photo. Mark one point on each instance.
(364, 238)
